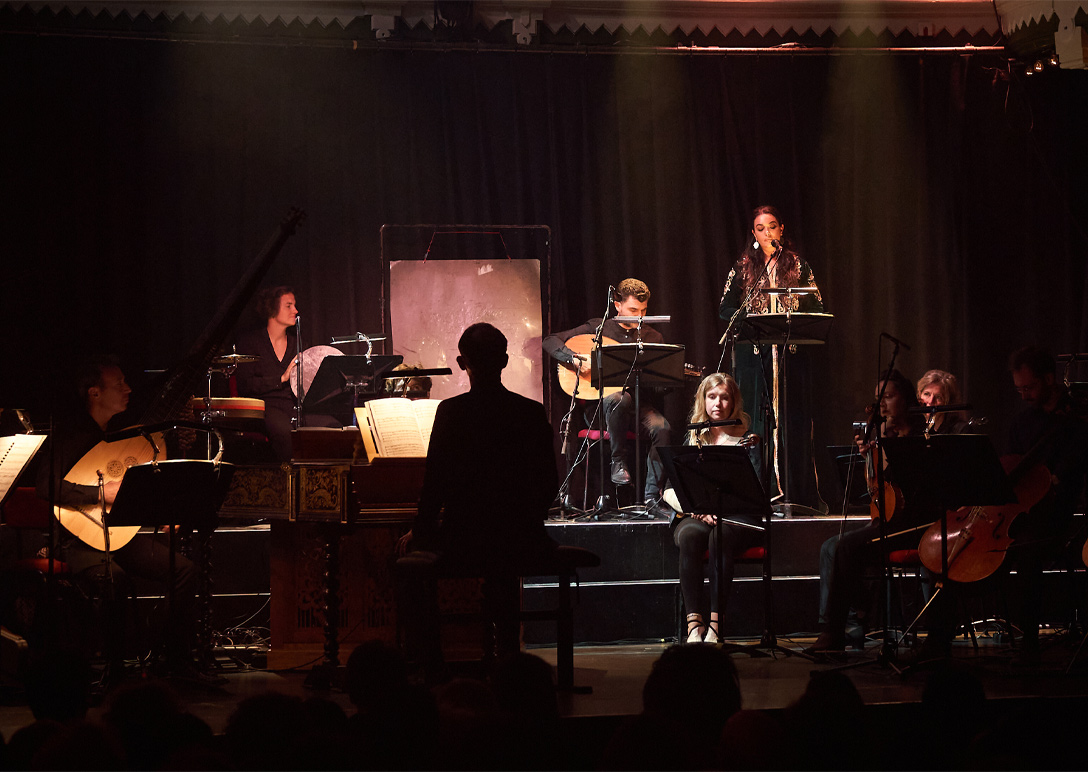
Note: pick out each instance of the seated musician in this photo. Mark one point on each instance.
(104, 395)
(717, 399)
(843, 558)
(489, 480)
(415, 387)
(1047, 431)
(631, 298)
(269, 378)
(936, 388)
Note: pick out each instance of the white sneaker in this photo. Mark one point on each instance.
(711, 636)
(696, 635)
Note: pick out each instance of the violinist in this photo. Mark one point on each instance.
(1048, 432)
(843, 558)
(937, 388)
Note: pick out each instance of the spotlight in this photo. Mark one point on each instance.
(1038, 66)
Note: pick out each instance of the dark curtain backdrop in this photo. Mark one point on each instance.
(934, 199)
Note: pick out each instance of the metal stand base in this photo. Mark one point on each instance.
(786, 509)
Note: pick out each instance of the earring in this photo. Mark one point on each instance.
(755, 245)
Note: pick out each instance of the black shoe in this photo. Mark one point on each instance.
(620, 475)
(658, 509)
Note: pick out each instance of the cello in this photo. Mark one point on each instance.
(978, 537)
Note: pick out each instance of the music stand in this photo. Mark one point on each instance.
(784, 329)
(339, 381)
(720, 480)
(850, 466)
(183, 492)
(940, 474)
(662, 364)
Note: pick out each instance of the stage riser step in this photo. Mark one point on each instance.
(612, 612)
(645, 550)
(649, 611)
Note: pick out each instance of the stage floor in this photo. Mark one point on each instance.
(617, 674)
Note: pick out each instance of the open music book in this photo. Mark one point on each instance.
(394, 427)
(15, 453)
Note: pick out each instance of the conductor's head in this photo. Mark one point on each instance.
(483, 352)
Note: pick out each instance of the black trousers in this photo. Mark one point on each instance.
(147, 557)
(693, 538)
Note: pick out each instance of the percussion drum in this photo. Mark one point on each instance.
(311, 361)
(243, 413)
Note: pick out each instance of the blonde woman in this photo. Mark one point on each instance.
(936, 388)
(717, 399)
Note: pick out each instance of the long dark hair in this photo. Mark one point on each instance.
(906, 390)
(750, 263)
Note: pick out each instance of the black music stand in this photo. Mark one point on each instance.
(184, 493)
(653, 364)
(720, 480)
(938, 474)
(785, 329)
(850, 466)
(339, 382)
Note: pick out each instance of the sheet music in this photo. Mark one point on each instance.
(402, 427)
(425, 410)
(15, 453)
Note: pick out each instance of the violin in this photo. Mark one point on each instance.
(893, 496)
(978, 537)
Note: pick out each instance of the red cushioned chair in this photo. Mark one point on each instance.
(757, 555)
(594, 438)
(24, 511)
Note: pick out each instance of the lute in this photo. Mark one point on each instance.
(113, 459)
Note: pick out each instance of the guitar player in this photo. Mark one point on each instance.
(103, 395)
(630, 298)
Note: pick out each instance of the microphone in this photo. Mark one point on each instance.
(711, 424)
(895, 340)
(775, 244)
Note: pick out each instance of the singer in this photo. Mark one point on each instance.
(270, 378)
(768, 261)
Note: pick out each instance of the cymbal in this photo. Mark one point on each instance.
(236, 359)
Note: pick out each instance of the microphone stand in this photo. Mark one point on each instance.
(564, 489)
(604, 501)
(296, 421)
